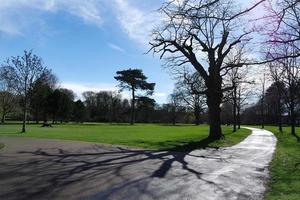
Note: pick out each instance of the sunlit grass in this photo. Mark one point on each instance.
(285, 167)
(150, 136)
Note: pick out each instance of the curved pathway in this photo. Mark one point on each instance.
(53, 169)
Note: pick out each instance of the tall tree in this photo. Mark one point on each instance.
(175, 103)
(278, 92)
(39, 95)
(237, 77)
(65, 103)
(274, 104)
(79, 111)
(60, 104)
(20, 73)
(133, 80)
(145, 106)
(192, 30)
(289, 70)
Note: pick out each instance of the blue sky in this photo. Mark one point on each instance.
(85, 42)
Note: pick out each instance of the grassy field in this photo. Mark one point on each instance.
(285, 167)
(148, 136)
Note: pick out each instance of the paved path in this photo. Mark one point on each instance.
(53, 169)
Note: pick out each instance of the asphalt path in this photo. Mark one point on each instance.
(54, 169)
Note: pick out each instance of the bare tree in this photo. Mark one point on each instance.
(288, 70)
(189, 87)
(209, 29)
(275, 73)
(175, 102)
(238, 78)
(282, 24)
(20, 73)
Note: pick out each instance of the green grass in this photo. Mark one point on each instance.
(148, 136)
(285, 167)
(1, 145)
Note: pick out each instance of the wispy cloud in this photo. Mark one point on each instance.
(17, 15)
(137, 23)
(159, 94)
(116, 47)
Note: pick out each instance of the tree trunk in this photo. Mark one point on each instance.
(197, 115)
(214, 100)
(132, 107)
(197, 118)
(234, 108)
(3, 118)
(239, 109)
(239, 118)
(262, 112)
(215, 131)
(239, 121)
(24, 115)
(173, 115)
(293, 120)
(279, 109)
(53, 118)
(263, 104)
(36, 116)
(279, 120)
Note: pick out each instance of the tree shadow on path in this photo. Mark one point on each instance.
(45, 173)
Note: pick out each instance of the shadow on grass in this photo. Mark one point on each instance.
(190, 146)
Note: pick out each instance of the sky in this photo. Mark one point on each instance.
(85, 42)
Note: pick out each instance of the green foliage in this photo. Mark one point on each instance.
(60, 104)
(79, 111)
(149, 136)
(133, 79)
(285, 167)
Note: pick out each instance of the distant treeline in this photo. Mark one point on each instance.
(277, 106)
(59, 106)
(32, 93)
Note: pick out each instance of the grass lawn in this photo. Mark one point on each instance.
(285, 167)
(148, 136)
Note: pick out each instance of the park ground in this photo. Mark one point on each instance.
(149, 136)
(284, 180)
(285, 167)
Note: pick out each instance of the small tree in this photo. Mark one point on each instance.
(190, 88)
(133, 80)
(20, 73)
